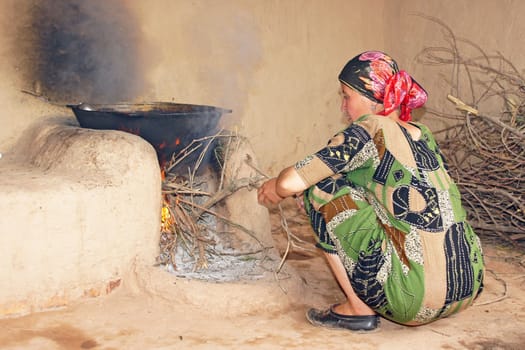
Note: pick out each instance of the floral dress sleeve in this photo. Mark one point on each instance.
(325, 173)
(351, 150)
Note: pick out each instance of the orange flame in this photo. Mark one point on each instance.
(166, 219)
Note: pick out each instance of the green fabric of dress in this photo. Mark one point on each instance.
(403, 237)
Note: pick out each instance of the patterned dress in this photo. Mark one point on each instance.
(386, 205)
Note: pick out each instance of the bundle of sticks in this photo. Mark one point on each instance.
(189, 214)
(485, 150)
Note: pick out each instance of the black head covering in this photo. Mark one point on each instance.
(376, 75)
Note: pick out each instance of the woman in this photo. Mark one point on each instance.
(383, 207)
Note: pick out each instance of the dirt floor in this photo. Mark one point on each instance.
(154, 309)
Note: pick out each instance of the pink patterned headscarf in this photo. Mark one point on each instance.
(377, 76)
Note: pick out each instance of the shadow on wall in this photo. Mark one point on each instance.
(79, 51)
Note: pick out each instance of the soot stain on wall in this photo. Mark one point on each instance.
(81, 51)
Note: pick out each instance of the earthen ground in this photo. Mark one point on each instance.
(163, 312)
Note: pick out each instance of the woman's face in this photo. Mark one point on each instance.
(355, 105)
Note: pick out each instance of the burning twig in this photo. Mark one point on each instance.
(231, 223)
(192, 205)
(227, 191)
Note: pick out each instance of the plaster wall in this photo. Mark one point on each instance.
(495, 27)
(273, 62)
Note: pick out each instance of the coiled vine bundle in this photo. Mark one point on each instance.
(485, 141)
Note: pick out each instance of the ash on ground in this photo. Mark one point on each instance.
(221, 268)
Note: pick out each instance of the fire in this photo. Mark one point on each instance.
(166, 217)
(164, 144)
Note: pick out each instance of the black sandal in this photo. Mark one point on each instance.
(329, 318)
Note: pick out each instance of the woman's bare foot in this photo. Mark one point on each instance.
(353, 310)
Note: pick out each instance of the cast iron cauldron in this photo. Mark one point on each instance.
(169, 127)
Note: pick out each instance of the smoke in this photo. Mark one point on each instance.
(229, 44)
(81, 51)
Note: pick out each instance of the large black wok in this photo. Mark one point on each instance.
(169, 127)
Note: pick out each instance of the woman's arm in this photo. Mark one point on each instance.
(286, 184)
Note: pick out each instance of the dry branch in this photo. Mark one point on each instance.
(485, 150)
(192, 207)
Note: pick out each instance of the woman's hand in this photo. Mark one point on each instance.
(267, 193)
(287, 184)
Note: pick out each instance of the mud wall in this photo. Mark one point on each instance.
(273, 62)
(474, 28)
